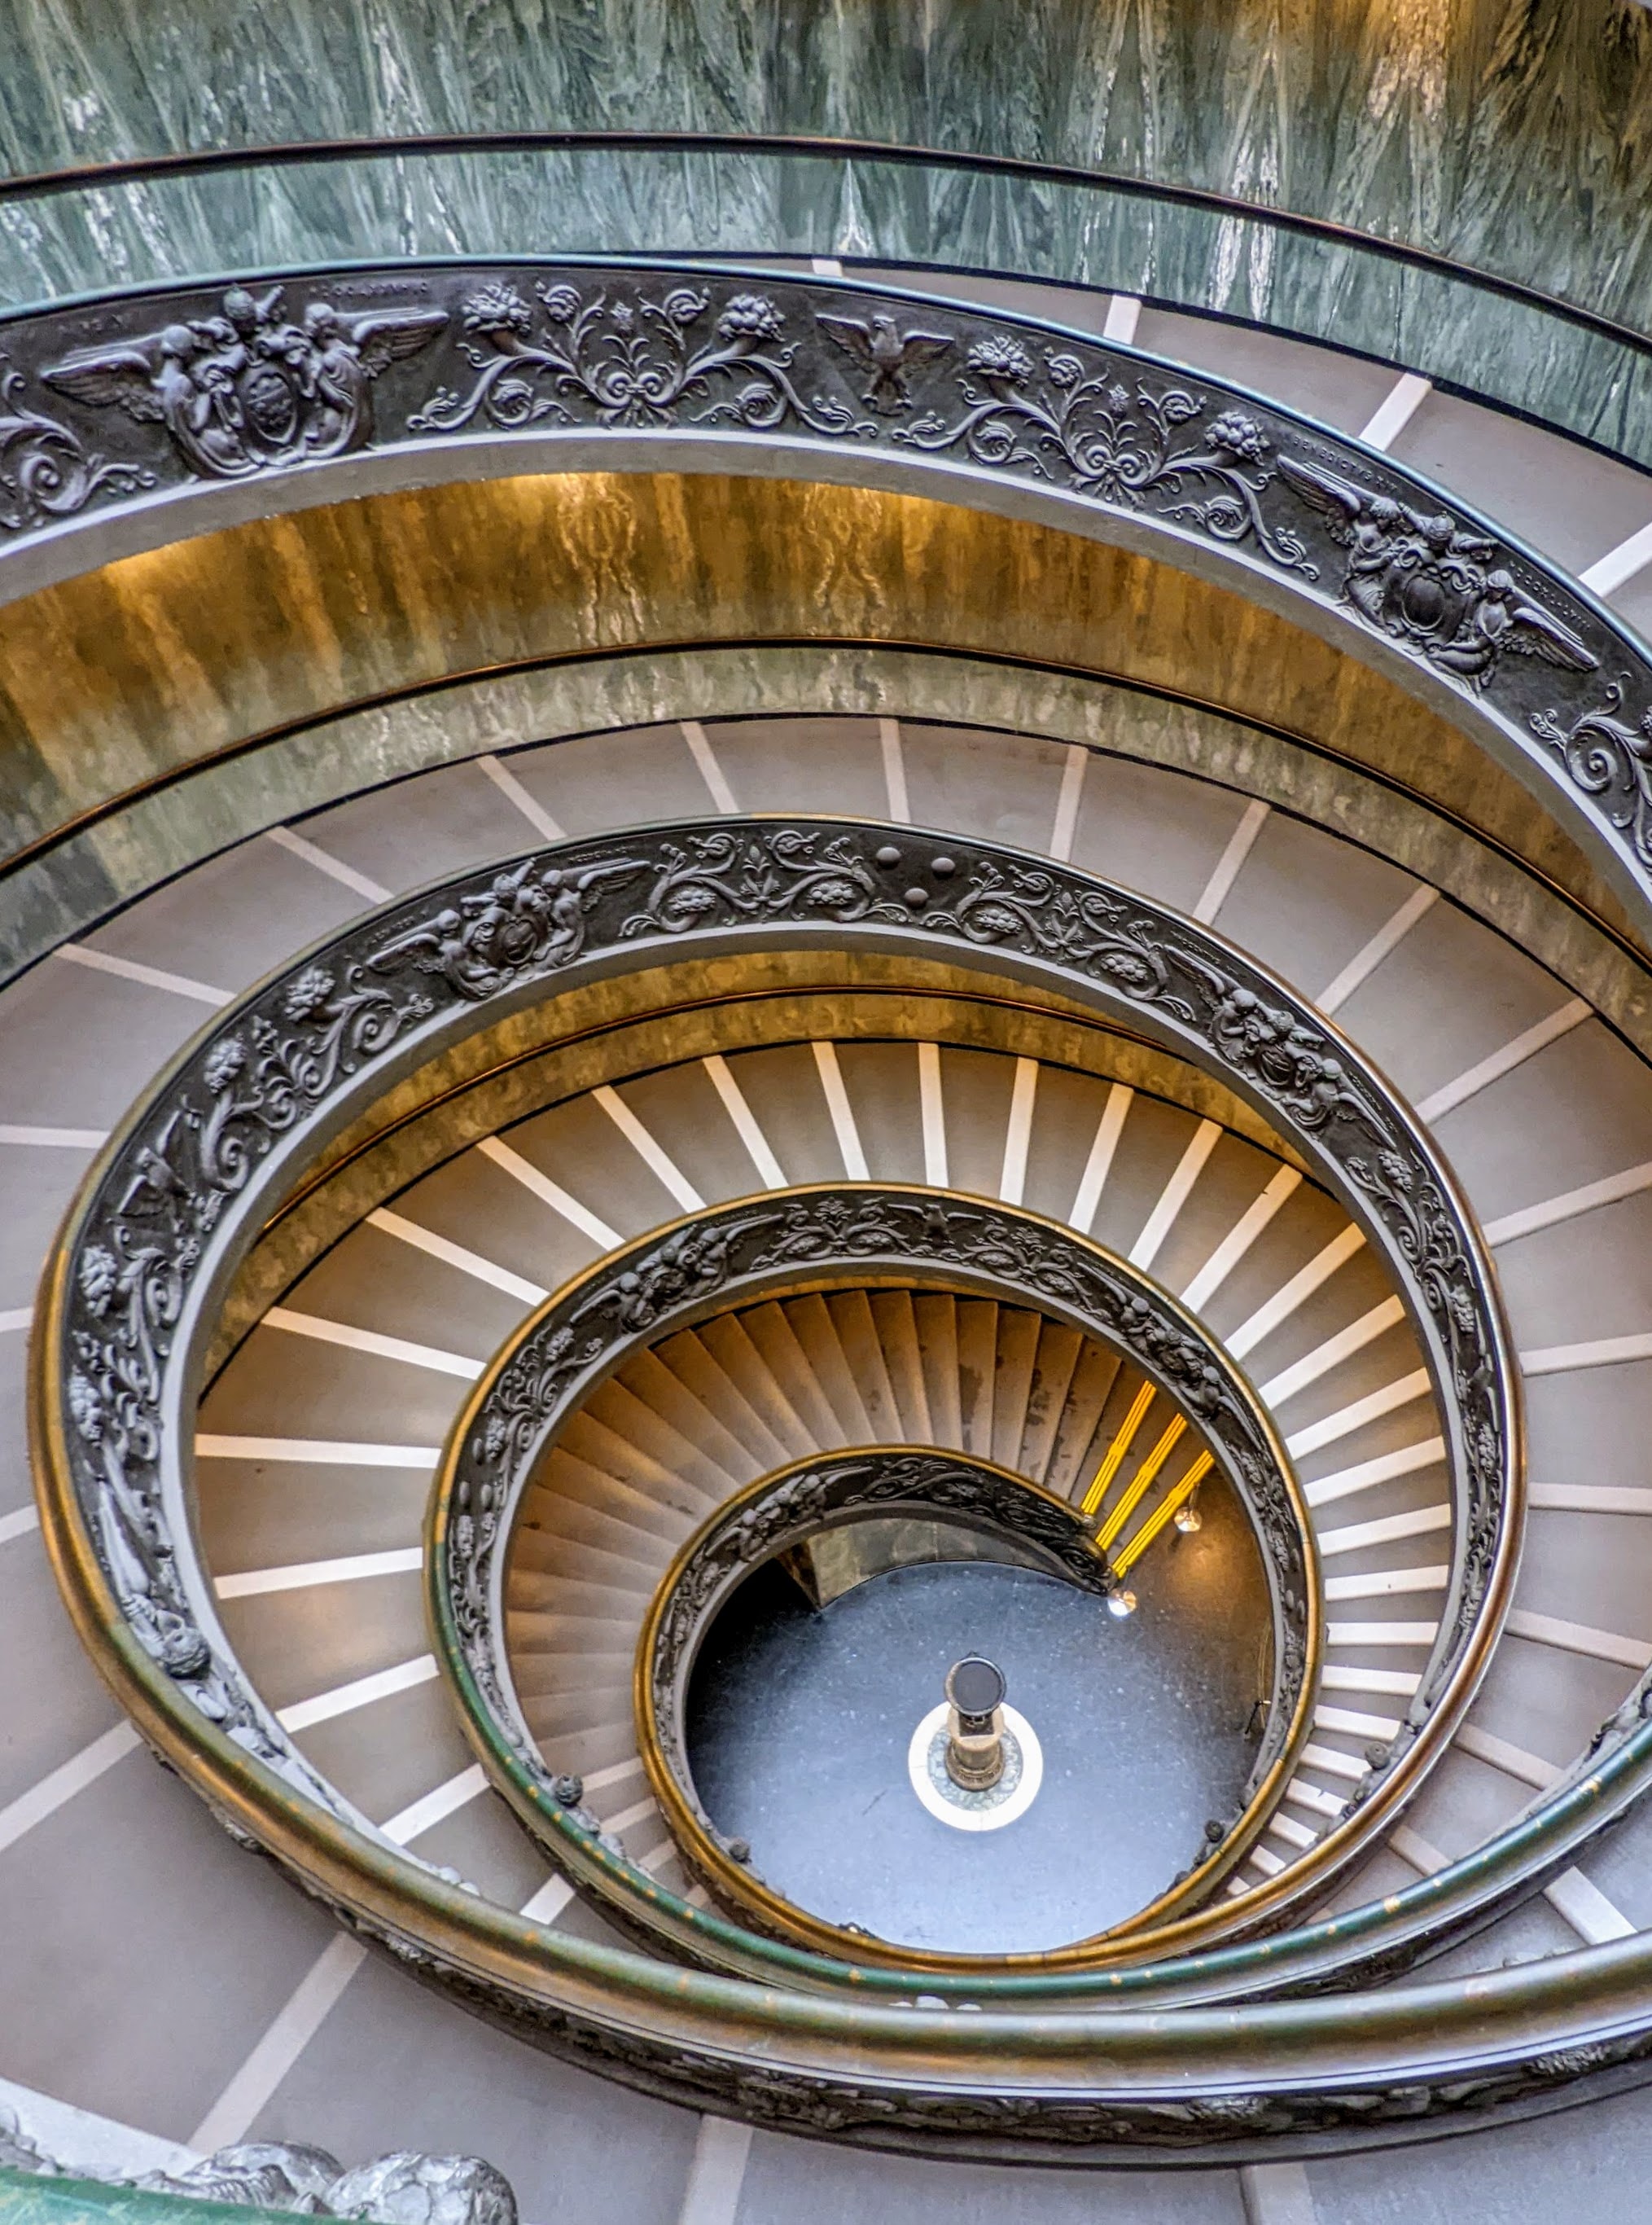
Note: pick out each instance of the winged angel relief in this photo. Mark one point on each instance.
(1429, 582)
(250, 389)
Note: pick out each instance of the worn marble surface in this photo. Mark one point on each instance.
(1509, 134)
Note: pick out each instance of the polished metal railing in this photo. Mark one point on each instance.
(824, 1237)
(151, 417)
(180, 1193)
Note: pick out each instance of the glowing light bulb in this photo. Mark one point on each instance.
(1188, 1518)
(1119, 1604)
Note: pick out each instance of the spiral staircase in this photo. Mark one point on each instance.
(702, 826)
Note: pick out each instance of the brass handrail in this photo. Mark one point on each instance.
(794, 1502)
(755, 371)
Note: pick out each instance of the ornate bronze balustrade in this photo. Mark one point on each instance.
(180, 1193)
(843, 1234)
(322, 385)
(781, 1511)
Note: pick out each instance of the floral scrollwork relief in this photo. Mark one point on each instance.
(631, 361)
(1079, 422)
(1609, 756)
(731, 1255)
(47, 471)
(225, 384)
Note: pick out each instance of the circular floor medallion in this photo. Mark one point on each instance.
(1012, 1795)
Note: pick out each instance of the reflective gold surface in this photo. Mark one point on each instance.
(122, 675)
(629, 1024)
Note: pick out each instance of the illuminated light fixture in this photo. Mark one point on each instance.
(1141, 1483)
(1115, 1454)
(1173, 1502)
(1188, 1518)
(1121, 1604)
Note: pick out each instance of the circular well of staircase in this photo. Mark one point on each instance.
(799, 1717)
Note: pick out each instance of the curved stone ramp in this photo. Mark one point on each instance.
(1578, 1091)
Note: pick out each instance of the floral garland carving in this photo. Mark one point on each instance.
(254, 1084)
(271, 1067)
(629, 361)
(183, 1183)
(1080, 424)
(47, 471)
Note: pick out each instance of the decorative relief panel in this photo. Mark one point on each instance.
(733, 1255)
(158, 393)
(280, 1063)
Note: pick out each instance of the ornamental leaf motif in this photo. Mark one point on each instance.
(250, 1086)
(187, 1179)
(1076, 424)
(730, 1255)
(47, 471)
(629, 359)
(1608, 757)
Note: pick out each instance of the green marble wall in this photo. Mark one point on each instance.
(734, 200)
(1513, 134)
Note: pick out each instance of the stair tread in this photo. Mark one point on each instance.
(1093, 1378)
(898, 1334)
(643, 1431)
(617, 1454)
(567, 1475)
(817, 1334)
(977, 1367)
(1018, 1335)
(934, 1315)
(692, 1361)
(728, 1339)
(663, 1391)
(774, 1337)
(863, 1351)
(1054, 1363)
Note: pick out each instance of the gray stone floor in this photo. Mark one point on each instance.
(800, 1723)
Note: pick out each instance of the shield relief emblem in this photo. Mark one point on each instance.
(269, 403)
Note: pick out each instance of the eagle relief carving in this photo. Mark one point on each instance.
(886, 354)
(252, 389)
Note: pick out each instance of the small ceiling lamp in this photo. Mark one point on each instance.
(1188, 1518)
(1120, 1604)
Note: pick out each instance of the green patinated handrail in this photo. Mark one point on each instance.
(157, 424)
(28, 2199)
(129, 1302)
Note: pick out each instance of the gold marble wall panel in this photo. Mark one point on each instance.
(119, 678)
